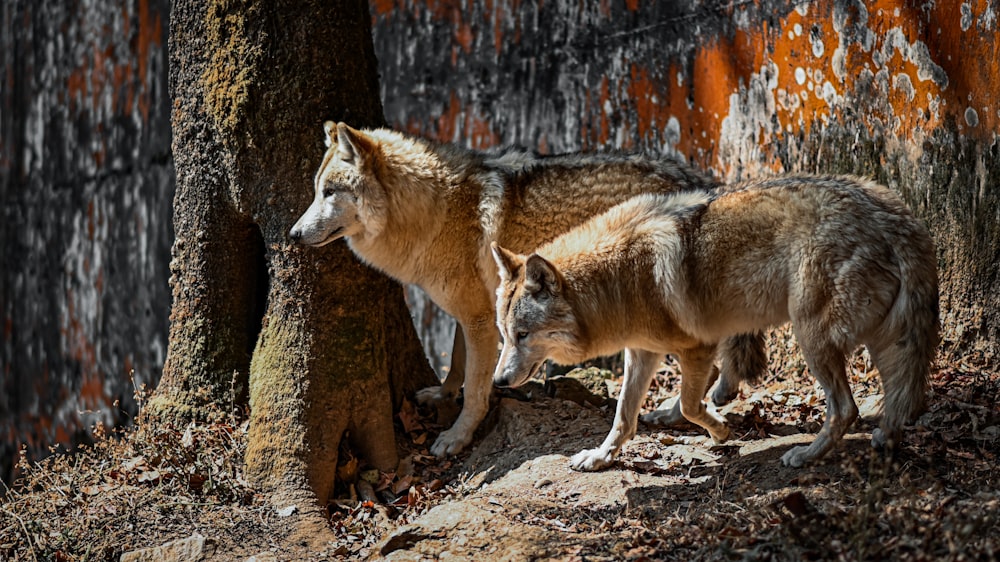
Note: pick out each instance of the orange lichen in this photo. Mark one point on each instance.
(464, 36)
(449, 118)
(383, 7)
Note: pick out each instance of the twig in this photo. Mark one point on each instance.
(191, 504)
(24, 528)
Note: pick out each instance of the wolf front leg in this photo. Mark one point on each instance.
(696, 375)
(639, 368)
(481, 341)
(674, 416)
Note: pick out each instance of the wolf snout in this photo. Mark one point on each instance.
(295, 234)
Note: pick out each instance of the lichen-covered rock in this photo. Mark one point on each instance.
(195, 548)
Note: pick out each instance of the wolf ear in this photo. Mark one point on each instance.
(508, 263)
(353, 146)
(540, 275)
(330, 131)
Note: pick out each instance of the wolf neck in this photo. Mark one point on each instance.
(609, 311)
(410, 202)
(623, 292)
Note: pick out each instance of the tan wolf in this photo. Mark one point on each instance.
(426, 214)
(840, 257)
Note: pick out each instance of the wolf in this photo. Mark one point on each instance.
(426, 213)
(840, 257)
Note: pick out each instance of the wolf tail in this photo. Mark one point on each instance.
(908, 338)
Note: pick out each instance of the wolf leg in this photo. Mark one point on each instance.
(673, 416)
(827, 364)
(696, 368)
(481, 339)
(435, 395)
(744, 359)
(640, 366)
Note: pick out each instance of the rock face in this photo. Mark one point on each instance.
(86, 185)
(748, 89)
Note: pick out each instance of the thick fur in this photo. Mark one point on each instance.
(840, 257)
(427, 213)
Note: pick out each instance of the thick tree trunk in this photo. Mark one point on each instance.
(252, 83)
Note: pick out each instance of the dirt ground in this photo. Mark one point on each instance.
(512, 496)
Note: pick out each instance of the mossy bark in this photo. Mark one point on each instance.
(334, 349)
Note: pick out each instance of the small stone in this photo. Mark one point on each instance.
(195, 548)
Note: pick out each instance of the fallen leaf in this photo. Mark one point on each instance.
(796, 504)
(149, 476)
(348, 472)
(187, 440)
(402, 485)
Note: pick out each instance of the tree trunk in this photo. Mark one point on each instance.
(252, 83)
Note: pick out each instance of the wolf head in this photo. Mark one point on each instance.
(344, 202)
(534, 316)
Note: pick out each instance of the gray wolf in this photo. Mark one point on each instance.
(426, 214)
(842, 258)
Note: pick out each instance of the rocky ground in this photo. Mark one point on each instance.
(177, 493)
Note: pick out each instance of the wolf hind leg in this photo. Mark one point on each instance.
(444, 395)
(743, 358)
(827, 364)
(640, 365)
(696, 368)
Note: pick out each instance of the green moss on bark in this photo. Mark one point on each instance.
(231, 70)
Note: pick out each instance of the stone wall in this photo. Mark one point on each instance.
(902, 91)
(86, 186)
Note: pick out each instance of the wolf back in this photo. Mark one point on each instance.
(842, 258)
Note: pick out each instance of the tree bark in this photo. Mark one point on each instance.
(252, 83)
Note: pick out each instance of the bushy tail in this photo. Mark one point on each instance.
(908, 338)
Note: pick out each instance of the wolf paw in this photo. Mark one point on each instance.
(879, 440)
(450, 442)
(664, 417)
(722, 395)
(796, 457)
(590, 460)
(433, 395)
(722, 437)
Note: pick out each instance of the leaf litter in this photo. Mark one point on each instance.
(937, 498)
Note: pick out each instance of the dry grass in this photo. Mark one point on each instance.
(939, 498)
(130, 490)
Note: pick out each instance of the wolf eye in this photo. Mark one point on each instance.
(327, 192)
(521, 336)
